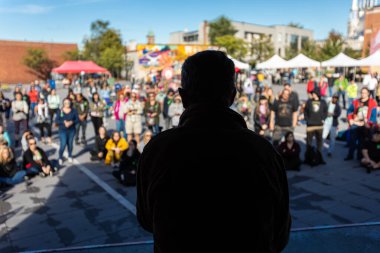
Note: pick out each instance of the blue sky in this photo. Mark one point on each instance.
(69, 20)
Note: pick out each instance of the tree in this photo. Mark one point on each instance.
(38, 63)
(73, 55)
(222, 26)
(261, 48)
(356, 54)
(290, 53)
(235, 47)
(296, 25)
(310, 49)
(332, 46)
(105, 47)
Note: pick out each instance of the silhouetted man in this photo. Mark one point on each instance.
(212, 185)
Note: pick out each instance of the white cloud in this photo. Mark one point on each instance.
(26, 9)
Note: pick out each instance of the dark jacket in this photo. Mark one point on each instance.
(336, 114)
(214, 185)
(167, 102)
(82, 107)
(28, 162)
(61, 117)
(130, 163)
(315, 116)
(100, 144)
(9, 169)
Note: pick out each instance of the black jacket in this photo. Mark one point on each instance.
(28, 161)
(315, 114)
(212, 185)
(100, 144)
(9, 169)
(336, 114)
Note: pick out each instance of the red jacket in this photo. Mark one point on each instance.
(371, 114)
(33, 96)
(310, 86)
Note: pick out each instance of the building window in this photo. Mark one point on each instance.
(190, 38)
(304, 40)
(279, 51)
(294, 42)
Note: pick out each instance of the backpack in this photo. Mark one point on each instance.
(312, 156)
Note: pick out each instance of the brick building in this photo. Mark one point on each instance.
(12, 53)
(371, 31)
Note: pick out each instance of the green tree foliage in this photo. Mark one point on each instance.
(296, 25)
(73, 55)
(235, 47)
(39, 63)
(290, 53)
(332, 46)
(222, 26)
(105, 47)
(356, 54)
(310, 49)
(261, 48)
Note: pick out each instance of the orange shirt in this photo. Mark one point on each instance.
(33, 96)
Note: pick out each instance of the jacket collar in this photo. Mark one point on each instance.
(203, 115)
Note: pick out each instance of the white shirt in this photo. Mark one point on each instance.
(372, 84)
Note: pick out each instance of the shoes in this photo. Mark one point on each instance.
(60, 162)
(84, 142)
(348, 158)
(77, 142)
(42, 174)
(115, 165)
(70, 160)
(26, 178)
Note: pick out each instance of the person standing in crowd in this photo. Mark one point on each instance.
(166, 176)
(42, 120)
(54, 101)
(175, 110)
(168, 100)
(20, 111)
(293, 96)
(5, 136)
(33, 97)
(262, 117)
(5, 104)
(152, 111)
(340, 86)
(119, 112)
(371, 152)
(82, 106)
(10, 173)
(25, 97)
(283, 117)
(352, 92)
(115, 146)
(45, 91)
(311, 85)
(322, 85)
(244, 107)
(67, 119)
(330, 126)
(330, 82)
(147, 136)
(92, 88)
(97, 107)
(105, 95)
(315, 114)
(248, 88)
(36, 160)
(134, 111)
(290, 151)
(361, 116)
(100, 151)
(71, 95)
(372, 85)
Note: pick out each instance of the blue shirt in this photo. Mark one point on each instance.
(61, 117)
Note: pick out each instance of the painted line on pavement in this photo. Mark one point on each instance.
(114, 194)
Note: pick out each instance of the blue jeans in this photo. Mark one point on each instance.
(66, 138)
(342, 94)
(350, 100)
(155, 129)
(17, 178)
(120, 125)
(331, 91)
(32, 105)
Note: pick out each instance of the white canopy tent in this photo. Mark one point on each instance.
(239, 64)
(275, 62)
(302, 61)
(340, 60)
(370, 61)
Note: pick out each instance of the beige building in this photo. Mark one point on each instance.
(282, 36)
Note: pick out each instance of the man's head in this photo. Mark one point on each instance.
(285, 95)
(364, 94)
(208, 76)
(315, 95)
(288, 87)
(335, 98)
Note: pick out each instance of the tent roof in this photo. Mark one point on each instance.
(372, 60)
(78, 67)
(239, 64)
(340, 60)
(275, 62)
(301, 61)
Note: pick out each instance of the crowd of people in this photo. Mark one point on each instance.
(142, 110)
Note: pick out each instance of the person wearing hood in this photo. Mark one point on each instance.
(315, 114)
(181, 184)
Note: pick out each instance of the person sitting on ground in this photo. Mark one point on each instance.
(290, 151)
(128, 165)
(4, 135)
(10, 173)
(371, 152)
(115, 148)
(100, 151)
(36, 161)
(176, 170)
(147, 136)
(24, 139)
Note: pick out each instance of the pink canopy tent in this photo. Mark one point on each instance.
(79, 66)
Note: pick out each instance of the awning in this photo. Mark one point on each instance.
(275, 62)
(79, 66)
(370, 61)
(239, 64)
(340, 60)
(302, 61)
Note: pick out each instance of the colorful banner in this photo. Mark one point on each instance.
(375, 43)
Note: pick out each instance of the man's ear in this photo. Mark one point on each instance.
(184, 97)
